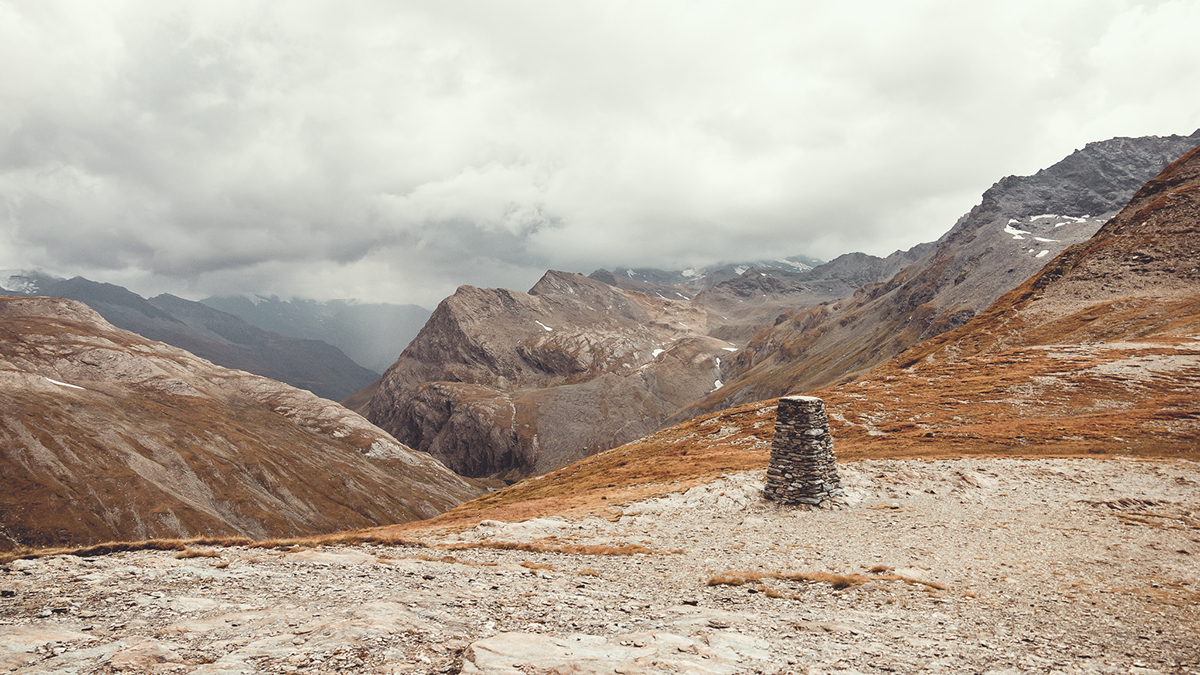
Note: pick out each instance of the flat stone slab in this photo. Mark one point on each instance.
(708, 652)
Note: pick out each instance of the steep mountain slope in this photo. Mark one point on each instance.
(373, 334)
(107, 435)
(1099, 350)
(501, 381)
(222, 338)
(1021, 223)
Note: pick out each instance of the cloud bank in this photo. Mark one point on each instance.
(392, 151)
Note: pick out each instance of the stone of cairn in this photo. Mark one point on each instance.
(803, 469)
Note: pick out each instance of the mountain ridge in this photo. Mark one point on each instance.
(1020, 222)
(372, 334)
(106, 435)
(211, 334)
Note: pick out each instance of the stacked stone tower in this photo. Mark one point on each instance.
(803, 469)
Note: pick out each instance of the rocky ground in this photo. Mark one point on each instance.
(975, 565)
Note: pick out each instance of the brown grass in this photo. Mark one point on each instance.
(107, 548)
(588, 572)
(537, 566)
(537, 547)
(837, 581)
(111, 547)
(197, 553)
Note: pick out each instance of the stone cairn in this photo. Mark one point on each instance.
(803, 469)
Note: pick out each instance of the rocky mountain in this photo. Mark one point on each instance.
(1021, 224)
(222, 338)
(740, 307)
(701, 278)
(1097, 352)
(373, 334)
(493, 386)
(501, 381)
(106, 435)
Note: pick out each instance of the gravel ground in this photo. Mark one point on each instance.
(980, 565)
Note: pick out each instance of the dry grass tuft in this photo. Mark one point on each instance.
(537, 547)
(838, 581)
(588, 572)
(879, 569)
(537, 566)
(197, 553)
(432, 558)
(108, 548)
(911, 581)
(727, 579)
(111, 547)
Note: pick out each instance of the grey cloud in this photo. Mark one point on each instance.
(394, 151)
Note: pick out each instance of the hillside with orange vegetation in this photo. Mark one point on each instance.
(1097, 355)
(1099, 352)
(1021, 223)
(105, 435)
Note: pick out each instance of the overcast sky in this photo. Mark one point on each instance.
(392, 151)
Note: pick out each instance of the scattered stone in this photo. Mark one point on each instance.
(1067, 575)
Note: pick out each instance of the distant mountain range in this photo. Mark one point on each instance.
(703, 278)
(373, 334)
(222, 338)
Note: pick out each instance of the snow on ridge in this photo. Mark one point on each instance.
(1016, 234)
(548, 328)
(62, 384)
(1043, 240)
(740, 270)
(690, 272)
(654, 354)
(1043, 254)
(1044, 215)
(729, 349)
(798, 265)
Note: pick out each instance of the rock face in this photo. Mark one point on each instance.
(210, 334)
(105, 435)
(1022, 223)
(502, 381)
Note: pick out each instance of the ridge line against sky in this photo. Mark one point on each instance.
(393, 151)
